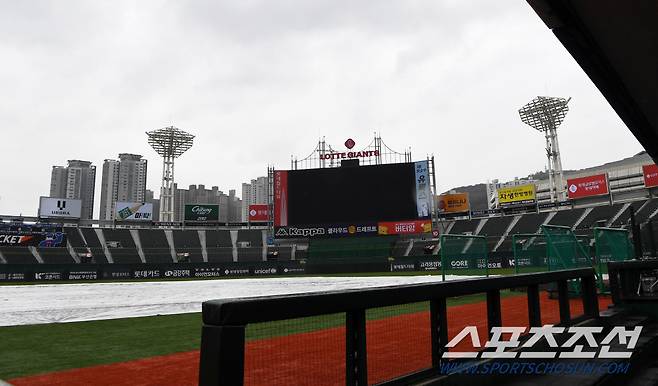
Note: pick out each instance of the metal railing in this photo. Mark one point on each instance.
(225, 321)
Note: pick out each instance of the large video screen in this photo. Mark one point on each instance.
(362, 195)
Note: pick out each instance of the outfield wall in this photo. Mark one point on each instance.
(90, 272)
(75, 272)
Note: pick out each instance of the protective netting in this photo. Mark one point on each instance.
(398, 340)
(530, 253)
(303, 351)
(610, 245)
(563, 249)
(464, 255)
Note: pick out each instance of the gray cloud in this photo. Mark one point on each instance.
(257, 81)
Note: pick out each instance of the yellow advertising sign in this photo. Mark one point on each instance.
(522, 194)
(453, 203)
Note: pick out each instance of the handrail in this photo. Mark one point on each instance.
(225, 320)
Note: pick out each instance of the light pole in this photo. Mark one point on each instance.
(169, 142)
(545, 114)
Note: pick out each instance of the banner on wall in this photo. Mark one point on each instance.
(404, 227)
(516, 195)
(133, 211)
(423, 193)
(650, 173)
(202, 212)
(587, 186)
(258, 212)
(453, 203)
(281, 198)
(50, 207)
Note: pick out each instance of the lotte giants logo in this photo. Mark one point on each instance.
(349, 144)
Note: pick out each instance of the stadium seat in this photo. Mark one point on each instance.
(187, 242)
(94, 245)
(18, 255)
(567, 217)
(121, 246)
(528, 223)
(464, 226)
(155, 246)
(56, 256)
(600, 214)
(219, 246)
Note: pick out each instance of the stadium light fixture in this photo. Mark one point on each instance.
(545, 114)
(170, 143)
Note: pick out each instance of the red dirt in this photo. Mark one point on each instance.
(396, 346)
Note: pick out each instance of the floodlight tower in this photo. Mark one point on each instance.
(545, 114)
(169, 142)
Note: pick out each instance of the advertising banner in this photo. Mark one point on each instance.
(453, 203)
(484, 212)
(332, 230)
(201, 212)
(404, 227)
(59, 207)
(587, 186)
(423, 193)
(133, 211)
(516, 195)
(40, 239)
(650, 173)
(258, 212)
(280, 198)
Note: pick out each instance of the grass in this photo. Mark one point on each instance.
(36, 349)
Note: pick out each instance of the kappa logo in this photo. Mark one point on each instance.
(301, 232)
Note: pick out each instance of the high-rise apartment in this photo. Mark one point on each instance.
(75, 181)
(254, 192)
(229, 205)
(123, 180)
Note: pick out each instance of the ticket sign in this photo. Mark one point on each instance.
(650, 173)
(587, 186)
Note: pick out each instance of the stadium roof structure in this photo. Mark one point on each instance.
(615, 43)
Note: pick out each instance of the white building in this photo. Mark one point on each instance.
(254, 192)
(123, 180)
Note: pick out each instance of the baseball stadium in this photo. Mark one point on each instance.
(357, 270)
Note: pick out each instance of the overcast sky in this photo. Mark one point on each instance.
(259, 81)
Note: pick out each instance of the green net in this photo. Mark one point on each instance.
(563, 249)
(610, 245)
(529, 253)
(350, 250)
(464, 255)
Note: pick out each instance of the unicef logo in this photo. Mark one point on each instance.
(573, 188)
